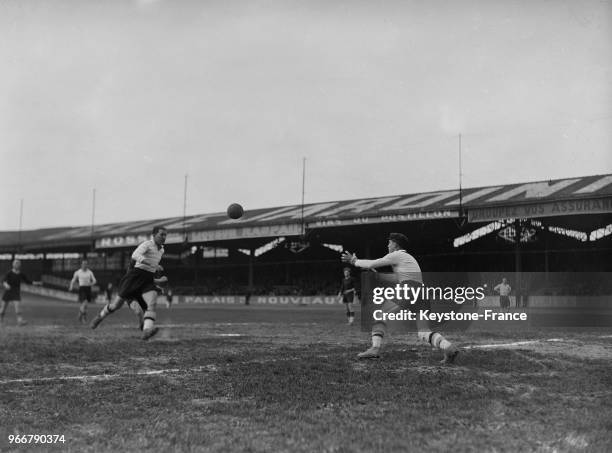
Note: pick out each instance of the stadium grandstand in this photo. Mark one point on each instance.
(545, 226)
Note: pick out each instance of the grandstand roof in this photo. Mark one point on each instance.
(554, 198)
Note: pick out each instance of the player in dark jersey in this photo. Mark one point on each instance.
(12, 286)
(347, 294)
(169, 297)
(110, 289)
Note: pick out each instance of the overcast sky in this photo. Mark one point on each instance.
(129, 96)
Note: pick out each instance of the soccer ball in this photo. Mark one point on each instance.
(235, 211)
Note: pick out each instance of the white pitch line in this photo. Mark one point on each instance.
(520, 343)
(516, 343)
(104, 377)
(500, 345)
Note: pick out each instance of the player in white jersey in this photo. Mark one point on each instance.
(86, 280)
(406, 270)
(504, 290)
(139, 282)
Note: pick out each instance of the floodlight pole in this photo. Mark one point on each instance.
(93, 217)
(303, 192)
(185, 208)
(251, 265)
(20, 224)
(460, 181)
(518, 230)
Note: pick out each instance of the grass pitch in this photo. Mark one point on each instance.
(261, 379)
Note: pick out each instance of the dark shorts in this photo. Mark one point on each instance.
(11, 295)
(84, 293)
(348, 298)
(140, 301)
(504, 301)
(135, 283)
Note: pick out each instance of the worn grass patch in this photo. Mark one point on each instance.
(296, 387)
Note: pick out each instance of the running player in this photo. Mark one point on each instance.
(138, 304)
(12, 286)
(347, 294)
(139, 282)
(86, 279)
(406, 270)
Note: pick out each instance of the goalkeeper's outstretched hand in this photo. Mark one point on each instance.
(348, 257)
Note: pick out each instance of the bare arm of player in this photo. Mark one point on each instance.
(386, 260)
(93, 279)
(73, 281)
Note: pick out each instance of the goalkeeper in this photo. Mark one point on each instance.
(405, 269)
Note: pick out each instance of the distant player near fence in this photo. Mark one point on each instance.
(169, 297)
(86, 280)
(348, 293)
(504, 290)
(109, 291)
(12, 291)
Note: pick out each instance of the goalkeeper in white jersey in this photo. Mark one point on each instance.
(406, 270)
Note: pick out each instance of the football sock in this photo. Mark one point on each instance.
(107, 310)
(149, 319)
(379, 329)
(377, 340)
(435, 339)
